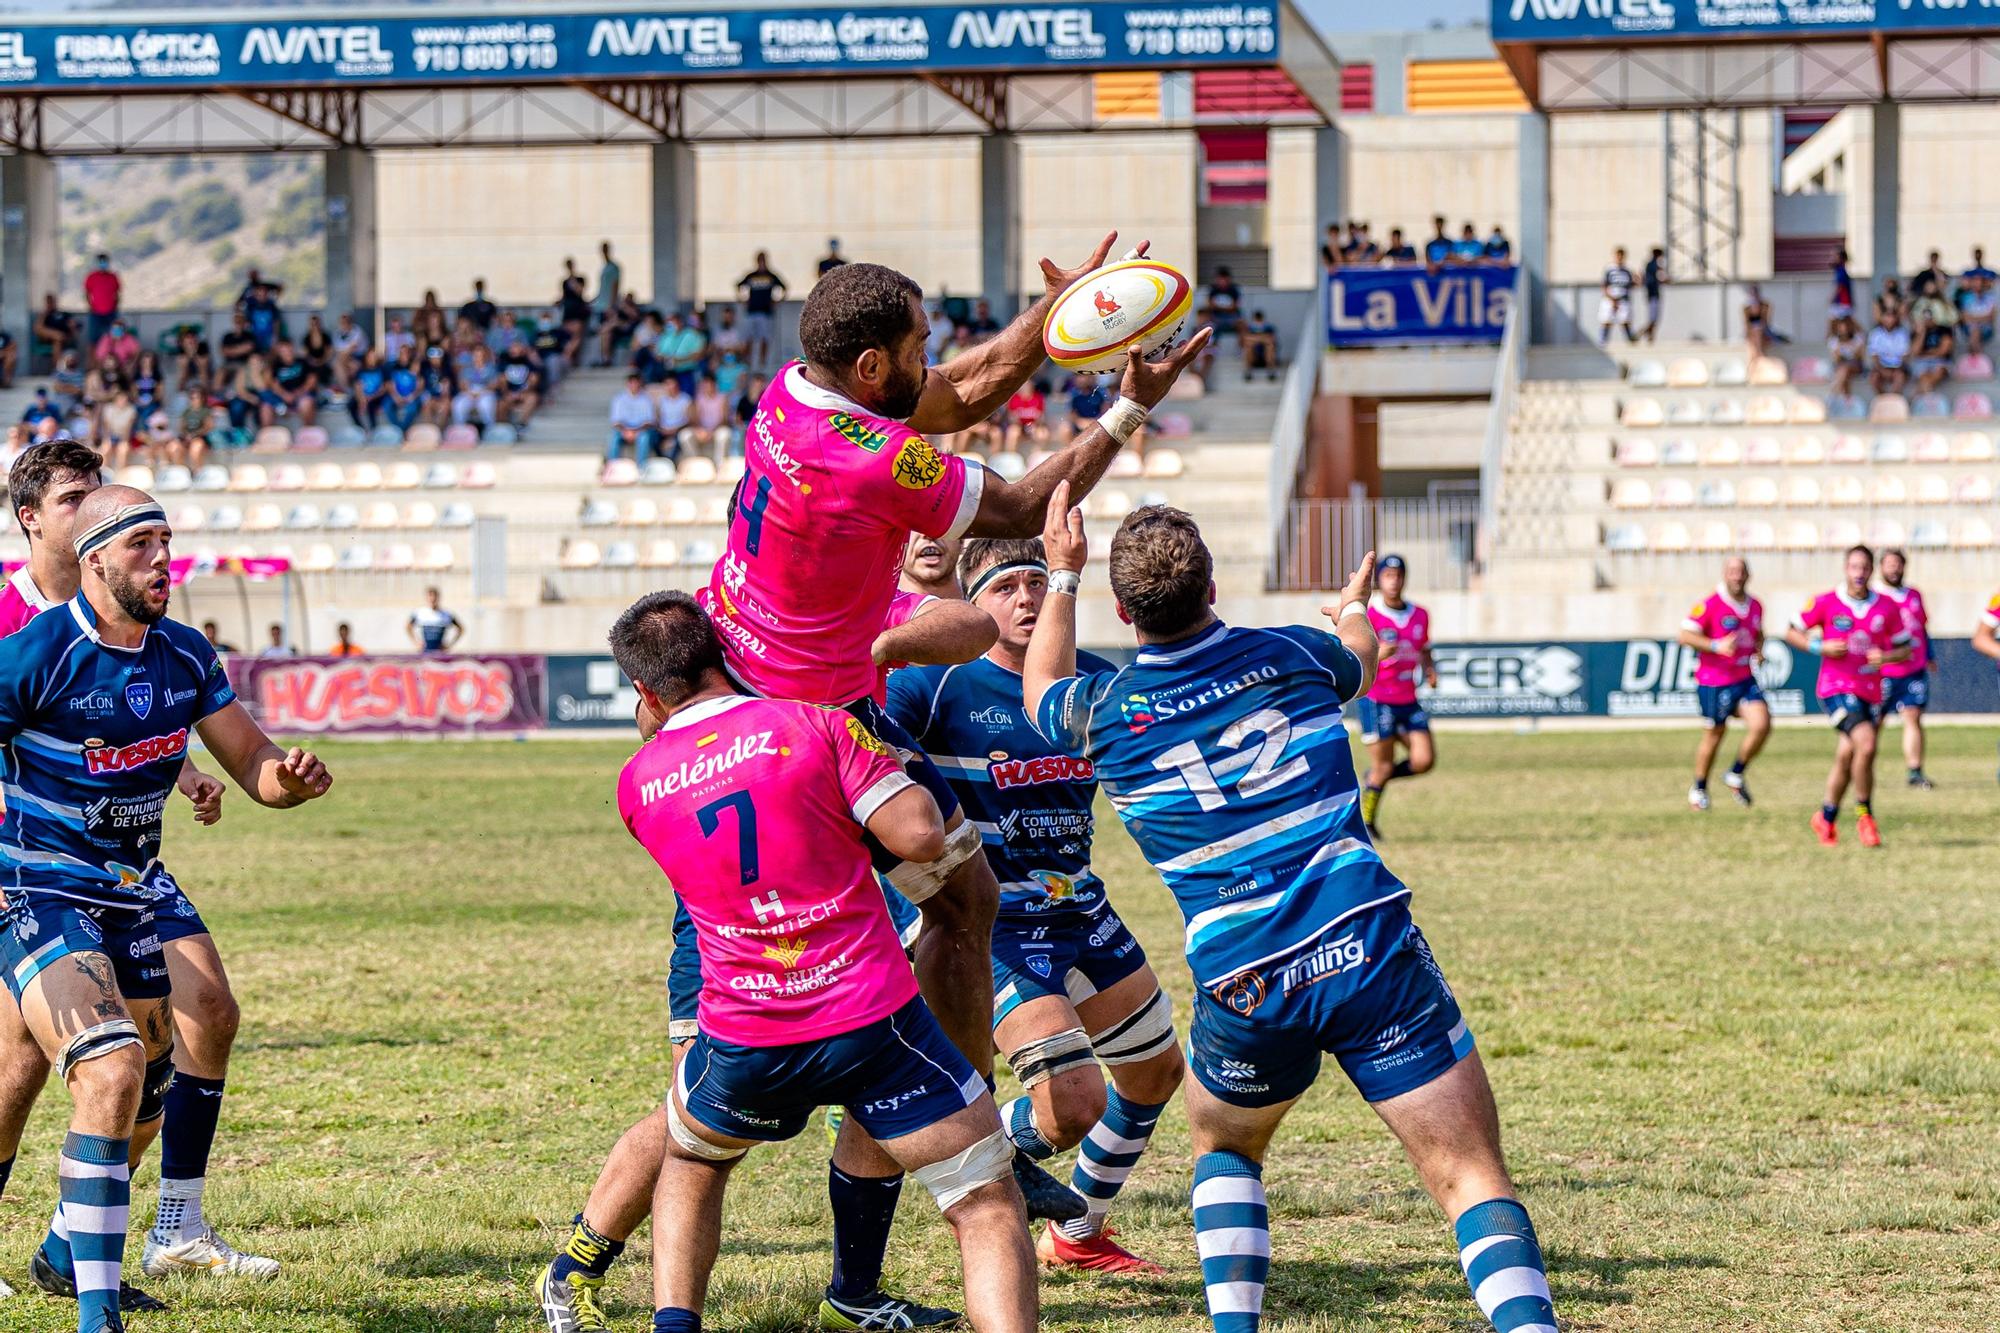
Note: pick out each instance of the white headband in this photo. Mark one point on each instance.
(140, 514)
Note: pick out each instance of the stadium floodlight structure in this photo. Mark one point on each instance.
(350, 80)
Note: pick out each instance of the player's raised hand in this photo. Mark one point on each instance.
(1058, 280)
(1359, 584)
(1146, 382)
(205, 794)
(1062, 533)
(301, 774)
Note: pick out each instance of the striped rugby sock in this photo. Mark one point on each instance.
(1232, 1234)
(1503, 1264)
(96, 1201)
(1018, 1116)
(1106, 1157)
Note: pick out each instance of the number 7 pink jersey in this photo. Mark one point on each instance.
(755, 810)
(828, 499)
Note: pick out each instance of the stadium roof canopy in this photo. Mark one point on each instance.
(182, 81)
(1597, 55)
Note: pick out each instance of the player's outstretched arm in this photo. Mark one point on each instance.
(202, 791)
(941, 633)
(1701, 643)
(965, 390)
(268, 775)
(1013, 509)
(1349, 614)
(909, 825)
(1051, 655)
(1986, 641)
(1805, 641)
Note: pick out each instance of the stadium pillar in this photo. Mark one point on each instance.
(1534, 225)
(1329, 175)
(29, 202)
(1885, 184)
(675, 241)
(1000, 223)
(352, 276)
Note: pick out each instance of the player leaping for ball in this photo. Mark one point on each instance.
(1223, 750)
(1072, 988)
(97, 700)
(801, 1015)
(1727, 629)
(1390, 711)
(1854, 630)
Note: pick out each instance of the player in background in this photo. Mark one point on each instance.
(1071, 986)
(1727, 629)
(837, 475)
(1223, 750)
(98, 698)
(1906, 685)
(1855, 632)
(1986, 635)
(1614, 303)
(930, 567)
(1390, 711)
(863, 1184)
(819, 1005)
(47, 485)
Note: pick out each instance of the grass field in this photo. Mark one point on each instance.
(1748, 1083)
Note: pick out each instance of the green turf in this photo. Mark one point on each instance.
(1748, 1083)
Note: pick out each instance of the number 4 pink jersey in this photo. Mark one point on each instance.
(754, 809)
(1863, 626)
(817, 528)
(1718, 617)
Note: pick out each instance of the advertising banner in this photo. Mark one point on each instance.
(588, 690)
(498, 692)
(1367, 306)
(443, 47)
(1601, 20)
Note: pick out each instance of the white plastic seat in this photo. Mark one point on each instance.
(1674, 493)
(1630, 493)
(1672, 537)
(1722, 451)
(1848, 449)
(1799, 535)
(621, 555)
(225, 518)
(1680, 452)
(730, 470)
(701, 553)
(1716, 494)
(288, 477)
(1642, 413)
(1633, 453)
(136, 475)
(1972, 406)
(1625, 537)
(1932, 489)
(341, 518)
(619, 472)
(1807, 411)
(1888, 489)
(1647, 375)
(479, 477)
(1687, 373)
(303, 518)
(1847, 492)
(1972, 446)
(658, 472)
(1889, 407)
(714, 510)
(1126, 466)
(441, 477)
(356, 559)
(1765, 451)
(318, 559)
(639, 512)
(1757, 493)
(1758, 536)
(1732, 373)
(1932, 406)
(1840, 535)
(1887, 532)
(381, 516)
(1012, 467)
(264, 518)
(436, 558)
(1769, 372)
(1972, 532)
(1802, 491)
(1973, 490)
(422, 437)
(397, 558)
(580, 555)
(1845, 407)
(1160, 464)
(190, 518)
(172, 480)
(661, 553)
(682, 511)
(1715, 535)
(364, 477)
(598, 514)
(1727, 412)
(326, 477)
(1767, 410)
(212, 478)
(1890, 449)
(457, 514)
(697, 471)
(1930, 447)
(248, 478)
(403, 476)
(1806, 451)
(1687, 413)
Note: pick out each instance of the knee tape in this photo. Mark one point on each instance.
(159, 1077)
(1146, 1032)
(918, 882)
(694, 1144)
(951, 1180)
(1037, 1062)
(101, 1039)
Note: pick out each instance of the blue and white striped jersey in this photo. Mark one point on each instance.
(91, 740)
(1227, 759)
(1031, 801)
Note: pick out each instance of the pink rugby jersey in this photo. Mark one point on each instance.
(902, 608)
(20, 602)
(1991, 615)
(1875, 623)
(754, 809)
(1404, 635)
(816, 535)
(1916, 619)
(1716, 617)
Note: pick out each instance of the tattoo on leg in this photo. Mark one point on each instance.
(98, 968)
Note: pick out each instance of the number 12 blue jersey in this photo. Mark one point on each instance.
(1227, 759)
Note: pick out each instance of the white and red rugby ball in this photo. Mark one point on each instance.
(1107, 310)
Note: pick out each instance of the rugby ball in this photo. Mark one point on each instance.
(1107, 310)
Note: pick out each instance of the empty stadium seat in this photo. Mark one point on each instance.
(1723, 451)
(272, 440)
(1680, 452)
(1974, 490)
(1887, 532)
(639, 512)
(403, 476)
(1625, 537)
(287, 477)
(1812, 370)
(658, 472)
(436, 558)
(1114, 504)
(1807, 411)
(355, 559)
(479, 477)
(500, 432)
(1673, 493)
(349, 436)
(1631, 493)
(1973, 406)
(317, 559)
(190, 518)
(1932, 489)
(580, 555)
(1768, 372)
(137, 476)
(701, 553)
(1757, 536)
(422, 437)
(1147, 499)
(1125, 465)
(661, 553)
(1972, 532)
(1844, 407)
(598, 514)
(1727, 412)
(1757, 493)
(420, 515)
(1799, 535)
(264, 518)
(1767, 410)
(1687, 373)
(364, 477)
(697, 471)
(1802, 491)
(730, 470)
(682, 511)
(1715, 535)
(397, 558)
(441, 477)
(325, 477)
(1889, 407)
(1930, 447)
(1930, 406)
(1847, 492)
(1972, 447)
(341, 517)
(1647, 375)
(972, 457)
(1672, 537)
(1890, 449)
(619, 472)
(1768, 450)
(621, 555)
(1806, 451)
(1641, 413)
(1716, 494)
(386, 436)
(381, 516)
(457, 514)
(310, 439)
(459, 436)
(1162, 463)
(225, 518)
(1012, 467)
(1841, 534)
(1732, 373)
(212, 478)
(1887, 489)
(303, 517)
(1974, 366)
(1636, 453)
(1689, 412)
(1848, 449)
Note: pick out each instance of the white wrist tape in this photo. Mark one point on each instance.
(1353, 609)
(1065, 581)
(1123, 418)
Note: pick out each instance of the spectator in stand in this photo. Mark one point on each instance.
(478, 393)
(499, 335)
(398, 340)
(1398, 253)
(349, 345)
(937, 334)
(1027, 417)
(1363, 245)
(261, 314)
(634, 422)
(708, 425)
(432, 628)
(343, 642)
(1331, 249)
(1843, 287)
(1498, 249)
(368, 392)
(316, 350)
(101, 293)
(148, 385)
(521, 383)
(117, 347)
(429, 323)
(673, 409)
(196, 426)
(277, 648)
(726, 337)
(294, 390)
(238, 343)
(551, 344)
(760, 290)
(479, 310)
(618, 330)
(1931, 350)
(155, 443)
(440, 385)
(39, 406)
(213, 633)
(1224, 309)
(1931, 279)
(1260, 346)
(1932, 307)
(610, 282)
(10, 355)
(960, 340)
(646, 358)
(1888, 351)
(244, 386)
(66, 383)
(1087, 401)
(1757, 322)
(406, 391)
(116, 421)
(1468, 249)
(1890, 298)
(1976, 305)
(252, 281)
(573, 314)
(684, 348)
(983, 324)
(1654, 277)
(729, 374)
(746, 402)
(1614, 305)
(194, 364)
(19, 440)
(1846, 349)
(48, 428)
(832, 259)
(1437, 250)
(56, 327)
(1979, 269)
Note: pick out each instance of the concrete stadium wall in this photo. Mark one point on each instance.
(1075, 187)
(1404, 170)
(1950, 188)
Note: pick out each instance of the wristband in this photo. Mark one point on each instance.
(1121, 419)
(1814, 644)
(1065, 581)
(1351, 609)
(1715, 647)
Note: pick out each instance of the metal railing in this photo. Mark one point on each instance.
(1321, 541)
(1288, 433)
(1508, 368)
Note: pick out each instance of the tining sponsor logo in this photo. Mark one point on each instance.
(702, 768)
(352, 49)
(1330, 958)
